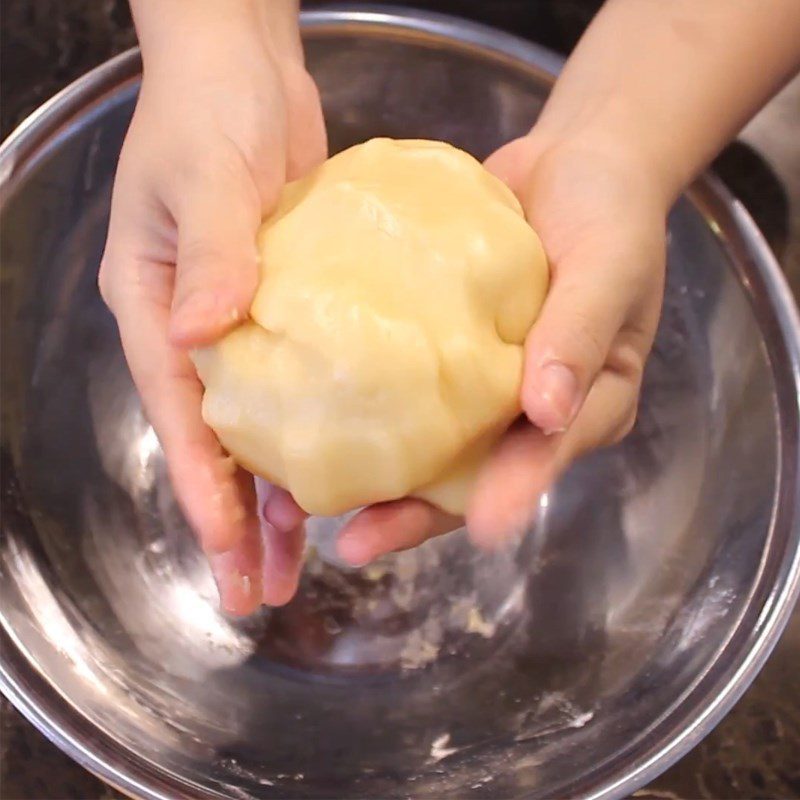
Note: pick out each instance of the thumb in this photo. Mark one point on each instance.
(216, 272)
(591, 297)
(513, 162)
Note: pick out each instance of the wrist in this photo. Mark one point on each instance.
(616, 135)
(172, 32)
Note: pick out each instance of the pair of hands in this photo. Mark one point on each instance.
(215, 135)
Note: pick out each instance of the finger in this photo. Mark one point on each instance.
(282, 563)
(238, 571)
(217, 261)
(592, 294)
(607, 417)
(209, 488)
(505, 501)
(280, 509)
(282, 549)
(386, 527)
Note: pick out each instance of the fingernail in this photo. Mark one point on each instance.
(557, 385)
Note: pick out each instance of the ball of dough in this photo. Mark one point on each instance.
(383, 354)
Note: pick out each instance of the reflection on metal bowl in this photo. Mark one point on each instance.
(580, 663)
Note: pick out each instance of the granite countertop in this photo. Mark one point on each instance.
(755, 751)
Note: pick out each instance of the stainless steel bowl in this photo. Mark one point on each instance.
(579, 665)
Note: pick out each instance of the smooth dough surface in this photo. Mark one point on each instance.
(383, 354)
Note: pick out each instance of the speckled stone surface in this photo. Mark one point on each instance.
(755, 751)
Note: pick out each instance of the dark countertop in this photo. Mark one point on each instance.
(755, 751)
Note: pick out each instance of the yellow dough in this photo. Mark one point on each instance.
(383, 355)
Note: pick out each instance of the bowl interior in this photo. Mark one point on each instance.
(556, 669)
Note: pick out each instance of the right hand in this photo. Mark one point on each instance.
(227, 113)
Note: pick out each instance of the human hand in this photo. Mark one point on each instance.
(223, 119)
(613, 148)
(601, 218)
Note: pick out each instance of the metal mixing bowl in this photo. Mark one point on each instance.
(581, 664)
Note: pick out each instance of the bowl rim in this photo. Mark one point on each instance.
(49, 711)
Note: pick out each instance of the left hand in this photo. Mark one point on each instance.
(601, 216)
(221, 122)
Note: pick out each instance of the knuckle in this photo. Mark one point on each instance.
(201, 255)
(230, 162)
(197, 196)
(211, 165)
(628, 355)
(587, 341)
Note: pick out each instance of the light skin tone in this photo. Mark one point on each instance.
(227, 114)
